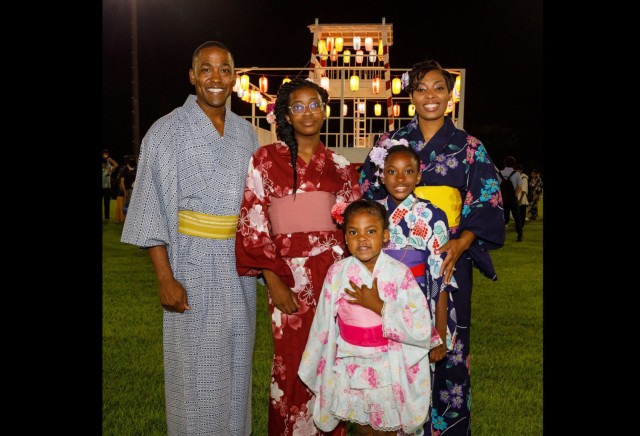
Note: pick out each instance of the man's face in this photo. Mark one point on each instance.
(213, 77)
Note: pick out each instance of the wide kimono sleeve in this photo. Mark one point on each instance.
(482, 211)
(152, 213)
(318, 358)
(255, 248)
(345, 172)
(406, 320)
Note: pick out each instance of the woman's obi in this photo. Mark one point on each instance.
(446, 198)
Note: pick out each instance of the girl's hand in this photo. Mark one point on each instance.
(365, 296)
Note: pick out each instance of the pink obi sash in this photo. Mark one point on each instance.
(360, 326)
(308, 212)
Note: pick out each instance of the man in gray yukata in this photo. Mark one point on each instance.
(184, 212)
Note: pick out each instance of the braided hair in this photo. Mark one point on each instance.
(284, 129)
(418, 71)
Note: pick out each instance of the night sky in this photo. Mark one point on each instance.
(498, 42)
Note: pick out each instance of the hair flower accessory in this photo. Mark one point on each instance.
(405, 80)
(271, 116)
(336, 212)
(378, 154)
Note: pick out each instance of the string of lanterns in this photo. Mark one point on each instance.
(253, 96)
(329, 48)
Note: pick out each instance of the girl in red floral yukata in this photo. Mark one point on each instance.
(286, 233)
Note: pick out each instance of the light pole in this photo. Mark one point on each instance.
(135, 106)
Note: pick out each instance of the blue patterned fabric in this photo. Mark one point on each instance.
(454, 158)
(208, 350)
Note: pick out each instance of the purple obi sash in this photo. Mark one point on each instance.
(414, 259)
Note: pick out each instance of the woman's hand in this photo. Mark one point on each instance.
(454, 249)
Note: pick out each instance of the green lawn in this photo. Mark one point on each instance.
(506, 360)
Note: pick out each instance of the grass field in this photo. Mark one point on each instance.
(506, 359)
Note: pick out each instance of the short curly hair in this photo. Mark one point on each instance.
(418, 71)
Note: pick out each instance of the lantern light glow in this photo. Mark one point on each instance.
(244, 82)
(396, 110)
(354, 82)
(396, 85)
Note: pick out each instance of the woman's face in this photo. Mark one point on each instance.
(310, 121)
(431, 96)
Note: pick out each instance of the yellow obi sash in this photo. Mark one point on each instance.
(446, 198)
(207, 226)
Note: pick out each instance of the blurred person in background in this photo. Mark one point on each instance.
(108, 167)
(535, 193)
(523, 193)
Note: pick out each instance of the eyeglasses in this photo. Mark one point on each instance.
(314, 107)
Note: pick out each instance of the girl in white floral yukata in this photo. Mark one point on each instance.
(367, 356)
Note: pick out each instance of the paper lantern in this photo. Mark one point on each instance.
(375, 85)
(322, 49)
(241, 92)
(362, 108)
(237, 87)
(368, 43)
(456, 90)
(264, 84)
(377, 109)
(329, 44)
(354, 82)
(263, 105)
(380, 51)
(246, 96)
(258, 101)
(359, 56)
(324, 82)
(346, 57)
(396, 85)
(244, 82)
(334, 55)
(339, 43)
(253, 96)
(345, 110)
(412, 110)
(372, 55)
(328, 111)
(286, 80)
(396, 110)
(356, 43)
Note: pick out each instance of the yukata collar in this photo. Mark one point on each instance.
(405, 207)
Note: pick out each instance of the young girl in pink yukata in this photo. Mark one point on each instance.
(367, 354)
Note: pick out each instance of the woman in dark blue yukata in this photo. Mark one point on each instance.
(459, 177)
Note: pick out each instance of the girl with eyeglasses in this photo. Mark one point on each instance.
(287, 234)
